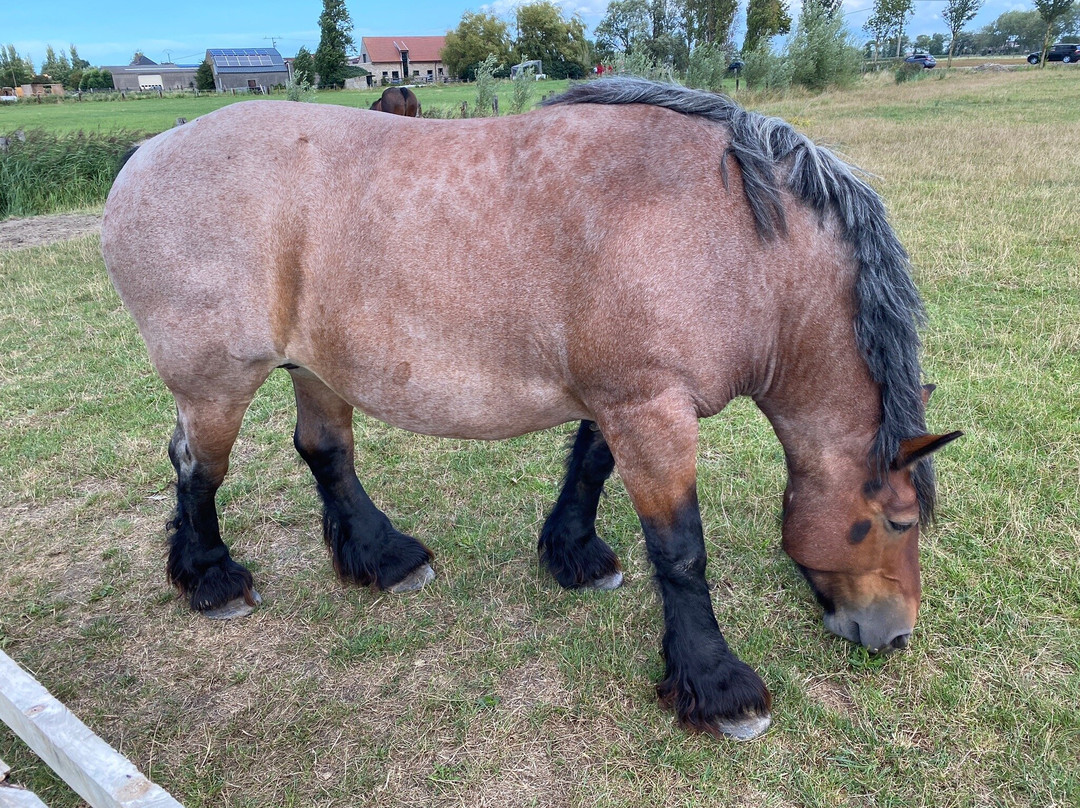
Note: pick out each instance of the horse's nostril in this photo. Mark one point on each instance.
(901, 641)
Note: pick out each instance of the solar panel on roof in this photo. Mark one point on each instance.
(246, 57)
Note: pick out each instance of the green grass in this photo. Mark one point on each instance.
(492, 686)
(152, 114)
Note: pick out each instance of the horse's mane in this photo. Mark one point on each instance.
(772, 155)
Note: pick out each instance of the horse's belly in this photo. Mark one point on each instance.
(481, 406)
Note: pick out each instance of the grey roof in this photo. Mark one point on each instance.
(246, 60)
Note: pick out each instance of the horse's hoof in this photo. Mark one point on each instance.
(607, 583)
(743, 729)
(417, 579)
(237, 607)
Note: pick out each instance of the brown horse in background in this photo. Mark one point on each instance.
(398, 101)
(703, 253)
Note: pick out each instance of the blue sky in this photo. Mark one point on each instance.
(181, 32)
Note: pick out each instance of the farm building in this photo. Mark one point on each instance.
(410, 59)
(146, 74)
(255, 69)
(40, 88)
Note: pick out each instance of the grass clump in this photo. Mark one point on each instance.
(47, 172)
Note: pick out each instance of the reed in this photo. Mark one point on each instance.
(47, 172)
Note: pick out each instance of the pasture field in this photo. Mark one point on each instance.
(155, 115)
(493, 687)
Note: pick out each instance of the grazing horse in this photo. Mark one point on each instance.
(398, 101)
(702, 253)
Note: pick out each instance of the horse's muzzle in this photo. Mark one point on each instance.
(879, 630)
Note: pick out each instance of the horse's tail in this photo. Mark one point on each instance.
(124, 158)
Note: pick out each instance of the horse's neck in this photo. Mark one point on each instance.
(822, 413)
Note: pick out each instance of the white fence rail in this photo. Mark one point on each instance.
(94, 770)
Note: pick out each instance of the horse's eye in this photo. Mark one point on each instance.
(901, 527)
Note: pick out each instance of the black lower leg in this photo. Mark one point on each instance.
(364, 545)
(569, 546)
(706, 685)
(199, 564)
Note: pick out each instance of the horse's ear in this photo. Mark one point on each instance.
(927, 391)
(914, 449)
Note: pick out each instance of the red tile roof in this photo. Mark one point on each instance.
(388, 48)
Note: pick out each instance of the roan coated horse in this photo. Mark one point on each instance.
(703, 252)
(398, 101)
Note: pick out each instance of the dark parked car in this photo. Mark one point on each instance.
(1062, 52)
(924, 59)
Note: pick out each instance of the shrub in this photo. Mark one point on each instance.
(51, 172)
(522, 91)
(764, 69)
(707, 68)
(640, 63)
(821, 51)
(485, 86)
(297, 88)
(909, 72)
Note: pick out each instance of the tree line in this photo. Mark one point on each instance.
(66, 68)
(691, 39)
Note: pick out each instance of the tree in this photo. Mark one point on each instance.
(821, 49)
(15, 68)
(559, 43)
(204, 77)
(626, 23)
(137, 57)
(1016, 30)
(1051, 11)
(95, 79)
(709, 22)
(763, 69)
(934, 45)
(832, 7)
(303, 67)
(476, 37)
(78, 65)
(669, 44)
(956, 15)
(888, 20)
(335, 40)
(57, 68)
(765, 19)
(77, 62)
